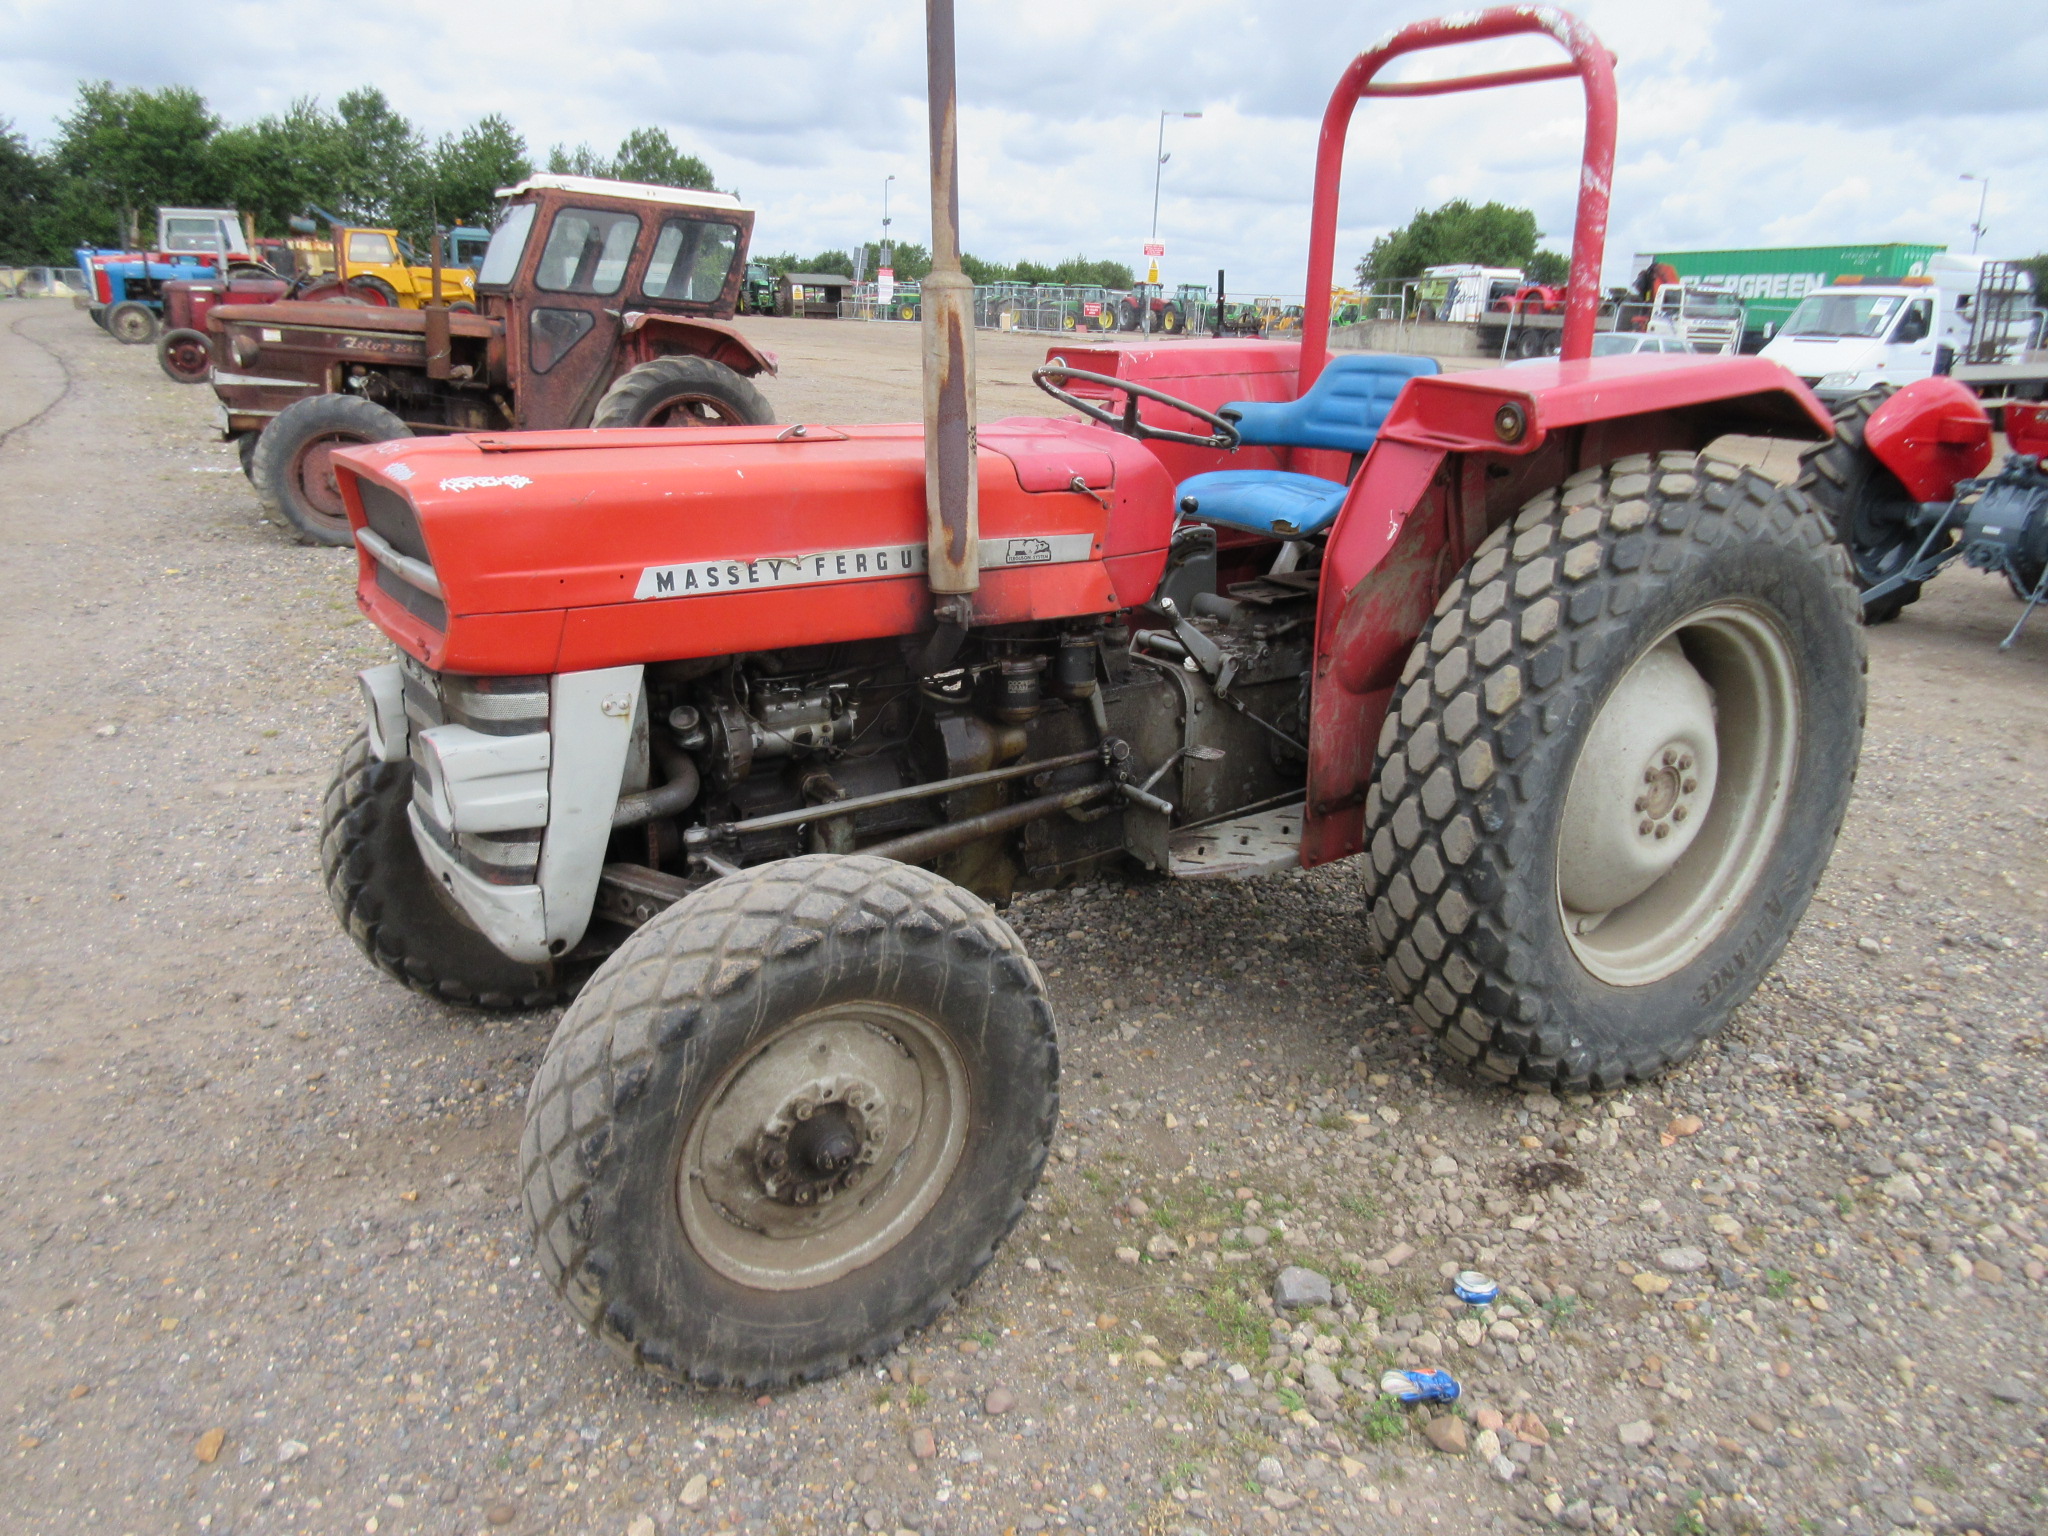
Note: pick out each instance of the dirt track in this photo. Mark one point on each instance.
(253, 1188)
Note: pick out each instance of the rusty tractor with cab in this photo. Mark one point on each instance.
(601, 303)
(739, 735)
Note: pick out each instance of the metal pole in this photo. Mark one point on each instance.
(1983, 192)
(1158, 165)
(952, 519)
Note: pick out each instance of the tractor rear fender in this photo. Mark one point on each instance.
(1458, 456)
(1931, 434)
(644, 336)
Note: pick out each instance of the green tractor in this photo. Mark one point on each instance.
(757, 290)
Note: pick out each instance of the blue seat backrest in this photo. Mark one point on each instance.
(1344, 410)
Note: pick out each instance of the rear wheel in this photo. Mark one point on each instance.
(185, 356)
(372, 289)
(681, 392)
(788, 1120)
(131, 324)
(380, 889)
(1873, 513)
(292, 466)
(1614, 771)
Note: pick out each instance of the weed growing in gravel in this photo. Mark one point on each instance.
(1691, 1519)
(917, 1397)
(1561, 1307)
(1380, 1421)
(1778, 1283)
(1291, 1400)
(1944, 1477)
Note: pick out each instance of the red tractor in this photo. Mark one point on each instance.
(734, 735)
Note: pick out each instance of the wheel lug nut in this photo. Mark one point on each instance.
(1670, 757)
(1643, 827)
(1679, 814)
(1685, 761)
(777, 1158)
(1691, 785)
(1663, 830)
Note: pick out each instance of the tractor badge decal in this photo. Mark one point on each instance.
(700, 578)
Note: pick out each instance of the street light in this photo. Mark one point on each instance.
(888, 254)
(1160, 165)
(1977, 229)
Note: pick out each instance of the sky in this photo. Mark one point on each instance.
(1742, 122)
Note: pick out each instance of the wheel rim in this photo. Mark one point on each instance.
(312, 474)
(131, 325)
(1881, 541)
(824, 1147)
(188, 359)
(1678, 795)
(695, 411)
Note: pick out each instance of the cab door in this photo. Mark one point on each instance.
(1909, 350)
(566, 319)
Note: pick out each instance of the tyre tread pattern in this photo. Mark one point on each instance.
(627, 397)
(1537, 604)
(792, 912)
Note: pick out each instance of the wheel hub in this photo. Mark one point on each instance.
(821, 1141)
(823, 1145)
(1644, 784)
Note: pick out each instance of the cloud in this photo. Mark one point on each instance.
(1743, 122)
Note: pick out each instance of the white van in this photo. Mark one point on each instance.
(1853, 336)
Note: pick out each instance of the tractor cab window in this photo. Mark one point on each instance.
(371, 248)
(192, 235)
(587, 251)
(508, 244)
(691, 260)
(1915, 323)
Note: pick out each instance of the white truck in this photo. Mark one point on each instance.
(1969, 316)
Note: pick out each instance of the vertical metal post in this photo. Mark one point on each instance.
(440, 350)
(952, 519)
(1219, 301)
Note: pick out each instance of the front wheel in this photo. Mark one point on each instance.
(387, 902)
(1614, 770)
(131, 324)
(682, 392)
(292, 466)
(788, 1120)
(185, 356)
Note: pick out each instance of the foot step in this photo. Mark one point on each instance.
(1263, 843)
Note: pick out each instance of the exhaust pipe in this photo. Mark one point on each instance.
(952, 521)
(440, 351)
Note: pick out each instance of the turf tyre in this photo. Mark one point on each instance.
(638, 1062)
(290, 464)
(1866, 503)
(1484, 734)
(681, 391)
(387, 902)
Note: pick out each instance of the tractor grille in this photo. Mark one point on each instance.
(392, 519)
(494, 706)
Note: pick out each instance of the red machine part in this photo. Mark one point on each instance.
(1931, 434)
(1590, 63)
(573, 584)
(2026, 427)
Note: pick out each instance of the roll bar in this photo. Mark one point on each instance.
(1590, 62)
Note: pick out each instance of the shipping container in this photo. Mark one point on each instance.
(1771, 282)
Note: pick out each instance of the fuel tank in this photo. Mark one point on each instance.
(541, 552)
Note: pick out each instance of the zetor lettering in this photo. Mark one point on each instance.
(1583, 703)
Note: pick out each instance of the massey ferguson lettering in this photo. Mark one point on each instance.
(701, 578)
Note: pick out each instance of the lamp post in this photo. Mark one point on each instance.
(1984, 192)
(888, 253)
(1160, 164)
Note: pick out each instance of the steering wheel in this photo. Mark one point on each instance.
(1224, 436)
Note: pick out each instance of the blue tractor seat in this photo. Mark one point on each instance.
(1344, 411)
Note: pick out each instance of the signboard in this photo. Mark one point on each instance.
(885, 285)
(1155, 248)
(1091, 309)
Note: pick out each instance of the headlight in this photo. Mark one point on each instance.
(1838, 381)
(246, 350)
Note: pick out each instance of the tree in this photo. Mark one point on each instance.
(1490, 235)
(383, 165)
(646, 154)
(25, 193)
(1551, 267)
(911, 261)
(467, 171)
(277, 168)
(127, 152)
(2038, 267)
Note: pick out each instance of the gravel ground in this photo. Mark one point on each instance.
(263, 1270)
